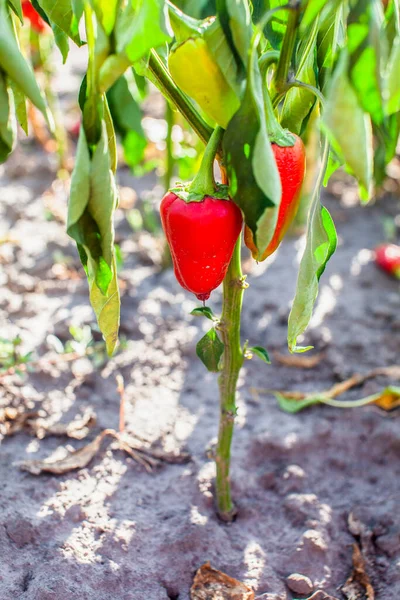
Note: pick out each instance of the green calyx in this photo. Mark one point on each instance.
(204, 183)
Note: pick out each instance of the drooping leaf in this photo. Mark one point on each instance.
(61, 13)
(348, 127)
(61, 39)
(210, 350)
(276, 27)
(107, 309)
(13, 62)
(20, 105)
(261, 353)
(235, 19)
(364, 43)
(392, 79)
(142, 26)
(6, 129)
(254, 179)
(17, 8)
(321, 243)
(222, 53)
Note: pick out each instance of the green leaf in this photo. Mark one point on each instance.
(107, 309)
(20, 105)
(16, 6)
(143, 25)
(386, 137)
(392, 79)
(254, 179)
(112, 140)
(13, 62)
(261, 353)
(320, 245)
(276, 27)
(348, 127)
(61, 39)
(210, 350)
(106, 12)
(204, 311)
(222, 53)
(235, 19)
(61, 13)
(365, 41)
(6, 130)
(292, 405)
(77, 7)
(312, 9)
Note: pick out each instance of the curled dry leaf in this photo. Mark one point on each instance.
(211, 584)
(299, 361)
(73, 460)
(78, 459)
(358, 586)
(77, 429)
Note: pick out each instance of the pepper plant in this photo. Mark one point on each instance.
(253, 80)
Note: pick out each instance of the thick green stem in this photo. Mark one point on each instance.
(282, 70)
(204, 183)
(169, 157)
(234, 285)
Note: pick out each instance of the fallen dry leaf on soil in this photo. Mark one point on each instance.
(298, 361)
(358, 586)
(73, 460)
(78, 459)
(211, 584)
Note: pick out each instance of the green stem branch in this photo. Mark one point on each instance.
(282, 69)
(234, 285)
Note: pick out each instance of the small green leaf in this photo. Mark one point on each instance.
(6, 129)
(393, 79)
(107, 309)
(235, 18)
(210, 350)
(106, 12)
(20, 105)
(204, 311)
(261, 353)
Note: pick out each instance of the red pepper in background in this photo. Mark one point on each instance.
(30, 13)
(387, 257)
(291, 163)
(201, 236)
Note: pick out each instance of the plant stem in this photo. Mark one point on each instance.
(169, 158)
(204, 183)
(234, 285)
(163, 80)
(282, 70)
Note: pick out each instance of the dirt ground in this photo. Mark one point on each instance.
(113, 531)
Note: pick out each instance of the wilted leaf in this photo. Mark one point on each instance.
(210, 350)
(72, 461)
(348, 127)
(320, 245)
(358, 586)
(13, 62)
(211, 584)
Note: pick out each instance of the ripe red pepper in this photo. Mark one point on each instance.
(36, 21)
(387, 257)
(201, 236)
(291, 163)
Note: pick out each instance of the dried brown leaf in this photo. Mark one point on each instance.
(77, 459)
(77, 429)
(358, 586)
(299, 361)
(211, 584)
